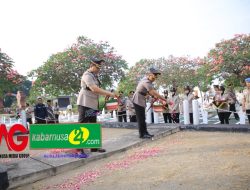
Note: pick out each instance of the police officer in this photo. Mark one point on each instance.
(166, 114)
(87, 100)
(145, 87)
(40, 112)
(130, 107)
(122, 114)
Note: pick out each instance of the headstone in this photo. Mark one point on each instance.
(196, 113)
(186, 112)
(148, 113)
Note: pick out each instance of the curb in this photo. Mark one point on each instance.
(36, 176)
(218, 128)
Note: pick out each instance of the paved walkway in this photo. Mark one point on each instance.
(37, 167)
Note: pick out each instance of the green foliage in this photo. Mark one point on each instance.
(61, 73)
(176, 72)
(230, 59)
(9, 78)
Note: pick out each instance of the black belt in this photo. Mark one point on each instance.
(86, 88)
(143, 93)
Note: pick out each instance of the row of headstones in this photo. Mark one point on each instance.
(196, 114)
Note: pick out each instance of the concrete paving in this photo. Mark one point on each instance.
(115, 140)
(117, 137)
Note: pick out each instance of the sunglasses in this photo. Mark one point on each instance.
(97, 66)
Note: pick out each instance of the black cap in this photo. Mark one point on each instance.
(187, 88)
(173, 89)
(97, 61)
(165, 92)
(154, 71)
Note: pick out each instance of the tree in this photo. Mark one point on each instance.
(230, 59)
(10, 79)
(176, 71)
(61, 73)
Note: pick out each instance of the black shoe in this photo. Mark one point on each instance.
(146, 136)
(149, 134)
(101, 150)
(93, 149)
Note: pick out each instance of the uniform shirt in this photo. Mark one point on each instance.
(40, 111)
(122, 104)
(144, 87)
(175, 108)
(87, 98)
(51, 116)
(246, 98)
(56, 110)
(29, 111)
(224, 107)
(232, 97)
(189, 98)
(130, 106)
(167, 106)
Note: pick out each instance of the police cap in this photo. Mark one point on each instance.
(97, 61)
(154, 71)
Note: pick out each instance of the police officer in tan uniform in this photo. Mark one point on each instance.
(87, 100)
(145, 87)
(130, 107)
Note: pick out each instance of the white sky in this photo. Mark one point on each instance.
(32, 30)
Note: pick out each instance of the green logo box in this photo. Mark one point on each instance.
(70, 135)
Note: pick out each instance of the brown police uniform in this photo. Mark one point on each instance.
(223, 108)
(122, 115)
(87, 100)
(175, 107)
(139, 102)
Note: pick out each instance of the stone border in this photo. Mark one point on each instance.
(219, 127)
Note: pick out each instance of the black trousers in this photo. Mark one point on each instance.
(40, 121)
(224, 117)
(132, 118)
(57, 118)
(51, 122)
(248, 116)
(167, 117)
(29, 120)
(176, 117)
(232, 108)
(140, 116)
(191, 118)
(87, 115)
(122, 114)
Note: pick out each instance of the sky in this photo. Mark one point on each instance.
(32, 30)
